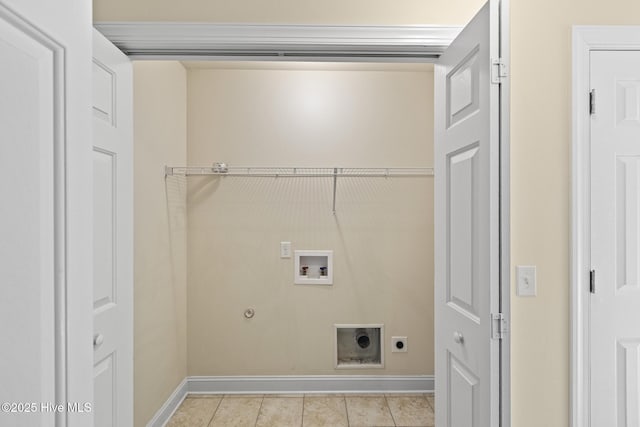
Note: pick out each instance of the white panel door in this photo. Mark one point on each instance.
(112, 235)
(467, 186)
(45, 205)
(615, 240)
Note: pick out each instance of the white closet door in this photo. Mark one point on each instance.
(467, 224)
(112, 234)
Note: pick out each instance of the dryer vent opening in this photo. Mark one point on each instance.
(359, 346)
(362, 338)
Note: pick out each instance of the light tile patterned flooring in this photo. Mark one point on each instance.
(309, 410)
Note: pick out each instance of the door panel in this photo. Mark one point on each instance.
(615, 239)
(113, 235)
(103, 92)
(463, 395)
(105, 392)
(467, 175)
(628, 376)
(462, 174)
(627, 222)
(104, 215)
(463, 89)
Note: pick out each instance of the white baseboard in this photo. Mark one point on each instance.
(311, 384)
(291, 385)
(173, 402)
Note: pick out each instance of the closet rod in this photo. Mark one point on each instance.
(221, 169)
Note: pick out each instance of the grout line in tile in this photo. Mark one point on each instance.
(259, 410)
(433, 408)
(302, 410)
(214, 411)
(346, 410)
(386, 402)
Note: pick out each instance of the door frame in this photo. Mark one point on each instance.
(585, 40)
(183, 41)
(505, 214)
(146, 41)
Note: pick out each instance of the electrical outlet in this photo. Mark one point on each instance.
(399, 344)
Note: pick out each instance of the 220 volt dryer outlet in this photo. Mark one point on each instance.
(398, 344)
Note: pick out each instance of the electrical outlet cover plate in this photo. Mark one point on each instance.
(397, 342)
(285, 249)
(526, 280)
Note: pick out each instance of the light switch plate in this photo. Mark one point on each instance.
(285, 249)
(526, 280)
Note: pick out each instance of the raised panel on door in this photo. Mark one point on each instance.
(463, 89)
(463, 399)
(462, 229)
(467, 231)
(627, 223)
(105, 388)
(628, 382)
(615, 240)
(104, 236)
(113, 235)
(104, 95)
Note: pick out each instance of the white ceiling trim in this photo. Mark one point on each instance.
(189, 41)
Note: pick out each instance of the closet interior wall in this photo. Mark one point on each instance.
(207, 248)
(160, 235)
(381, 234)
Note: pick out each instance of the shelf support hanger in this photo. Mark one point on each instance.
(335, 184)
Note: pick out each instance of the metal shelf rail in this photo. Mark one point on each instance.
(223, 170)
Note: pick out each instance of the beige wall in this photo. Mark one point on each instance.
(368, 12)
(540, 195)
(160, 334)
(381, 235)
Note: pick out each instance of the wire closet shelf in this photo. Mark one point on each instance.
(223, 170)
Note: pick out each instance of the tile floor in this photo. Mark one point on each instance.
(309, 410)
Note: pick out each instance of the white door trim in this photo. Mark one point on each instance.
(505, 215)
(585, 40)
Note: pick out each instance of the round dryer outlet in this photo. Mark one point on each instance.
(398, 344)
